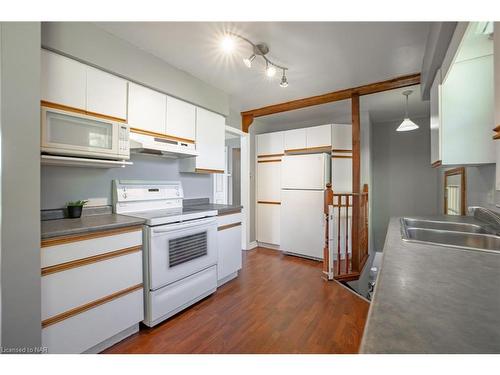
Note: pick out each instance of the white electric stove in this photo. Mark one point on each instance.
(180, 249)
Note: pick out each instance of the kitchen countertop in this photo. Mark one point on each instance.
(203, 204)
(434, 299)
(86, 224)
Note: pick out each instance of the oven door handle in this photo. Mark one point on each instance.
(172, 227)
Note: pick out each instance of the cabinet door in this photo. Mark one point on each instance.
(146, 109)
(181, 119)
(467, 115)
(341, 174)
(341, 137)
(319, 136)
(270, 143)
(268, 180)
(106, 94)
(295, 139)
(268, 223)
(210, 139)
(435, 123)
(229, 242)
(63, 80)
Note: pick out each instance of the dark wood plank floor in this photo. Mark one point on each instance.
(278, 304)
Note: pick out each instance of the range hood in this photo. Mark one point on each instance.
(150, 145)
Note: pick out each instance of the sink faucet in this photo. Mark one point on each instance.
(490, 217)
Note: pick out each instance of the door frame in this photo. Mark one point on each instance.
(245, 184)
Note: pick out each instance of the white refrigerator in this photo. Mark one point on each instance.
(303, 182)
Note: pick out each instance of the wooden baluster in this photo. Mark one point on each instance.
(347, 235)
(339, 204)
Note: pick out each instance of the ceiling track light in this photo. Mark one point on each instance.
(259, 50)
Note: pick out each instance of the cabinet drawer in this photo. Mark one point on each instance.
(67, 249)
(229, 219)
(66, 290)
(175, 297)
(82, 331)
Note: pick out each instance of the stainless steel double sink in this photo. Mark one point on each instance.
(459, 235)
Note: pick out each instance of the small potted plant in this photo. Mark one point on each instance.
(75, 209)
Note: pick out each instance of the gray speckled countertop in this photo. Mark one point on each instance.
(434, 299)
(203, 204)
(86, 224)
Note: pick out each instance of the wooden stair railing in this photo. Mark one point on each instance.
(339, 256)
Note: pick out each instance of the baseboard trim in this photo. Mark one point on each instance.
(268, 245)
(113, 340)
(252, 245)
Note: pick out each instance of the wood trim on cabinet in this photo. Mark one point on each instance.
(89, 260)
(228, 226)
(161, 135)
(452, 172)
(47, 242)
(371, 88)
(204, 170)
(268, 202)
(269, 155)
(269, 161)
(437, 164)
(80, 309)
(340, 150)
(309, 149)
(230, 213)
(341, 156)
(62, 107)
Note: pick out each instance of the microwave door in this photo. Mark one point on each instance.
(75, 134)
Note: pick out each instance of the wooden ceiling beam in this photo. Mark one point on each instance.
(372, 88)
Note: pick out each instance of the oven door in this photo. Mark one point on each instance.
(180, 250)
(68, 133)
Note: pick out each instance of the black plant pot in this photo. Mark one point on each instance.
(74, 212)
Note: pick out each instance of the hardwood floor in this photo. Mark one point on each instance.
(278, 304)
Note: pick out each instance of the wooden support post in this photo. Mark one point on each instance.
(328, 201)
(246, 121)
(356, 182)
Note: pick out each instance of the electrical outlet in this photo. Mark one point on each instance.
(95, 202)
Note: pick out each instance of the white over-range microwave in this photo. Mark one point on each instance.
(74, 134)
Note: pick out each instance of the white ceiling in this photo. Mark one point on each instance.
(321, 56)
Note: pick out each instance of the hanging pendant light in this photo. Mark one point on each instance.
(407, 124)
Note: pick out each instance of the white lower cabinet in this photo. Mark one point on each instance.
(229, 247)
(268, 223)
(91, 289)
(83, 331)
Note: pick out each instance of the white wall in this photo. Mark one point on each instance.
(20, 184)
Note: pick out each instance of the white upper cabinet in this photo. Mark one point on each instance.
(63, 80)
(295, 139)
(147, 109)
(342, 137)
(210, 143)
(435, 121)
(106, 94)
(466, 104)
(270, 143)
(181, 119)
(319, 136)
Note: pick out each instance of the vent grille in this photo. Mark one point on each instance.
(184, 249)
